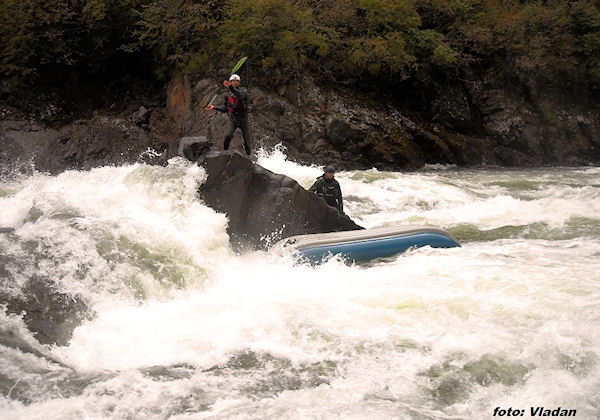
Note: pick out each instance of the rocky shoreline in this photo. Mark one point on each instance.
(475, 124)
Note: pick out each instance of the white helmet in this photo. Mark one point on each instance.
(234, 77)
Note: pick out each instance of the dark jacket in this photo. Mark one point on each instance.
(329, 189)
(236, 102)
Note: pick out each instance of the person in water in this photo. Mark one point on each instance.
(329, 189)
(236, 107)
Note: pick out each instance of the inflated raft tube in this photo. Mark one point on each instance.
(368, 244)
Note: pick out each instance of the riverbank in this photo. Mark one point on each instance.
(475, 124)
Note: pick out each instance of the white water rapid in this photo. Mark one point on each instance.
(176, 325)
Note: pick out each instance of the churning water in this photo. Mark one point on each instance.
(176, 325)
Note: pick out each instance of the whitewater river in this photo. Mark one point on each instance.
(176, 325)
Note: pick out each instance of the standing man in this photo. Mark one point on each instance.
(236, 107)
(329, 189)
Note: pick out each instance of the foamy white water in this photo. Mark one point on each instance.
(182, 327)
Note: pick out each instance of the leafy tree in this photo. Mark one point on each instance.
(176, 32)
(382, 40)
(560, 40)
(63, 41)
(375, 42)
(272, 32)
(37, 37)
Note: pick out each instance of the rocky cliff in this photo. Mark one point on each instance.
(477, 123)
(474, 123)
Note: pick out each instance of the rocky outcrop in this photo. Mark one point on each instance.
(484, 121)
(263, 207)
(83, 144)
(473, 123)
(50, 315)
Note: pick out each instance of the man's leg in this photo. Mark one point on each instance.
(243, 124)
(229, 129)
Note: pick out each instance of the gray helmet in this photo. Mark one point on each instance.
(329, 169)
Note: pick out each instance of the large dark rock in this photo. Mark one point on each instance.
(484, 121)
(487, 121)
(529, 126)
(84, 144)
(262, 206)
(50, 315)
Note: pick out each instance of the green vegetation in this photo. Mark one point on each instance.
(353, 41)
(175, 33)
(62, 41)
(275, 33)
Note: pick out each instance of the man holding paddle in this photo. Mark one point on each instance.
(236, 107)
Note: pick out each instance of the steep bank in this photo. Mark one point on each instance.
(471, 123)
(475, 123)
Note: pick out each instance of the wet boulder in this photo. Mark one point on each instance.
(49, 314)
(193, 147)
(262, 206)
(83, 144)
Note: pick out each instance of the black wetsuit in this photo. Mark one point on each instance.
(329, 189)
(236, 107)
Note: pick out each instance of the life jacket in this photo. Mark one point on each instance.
(328, 191)
(236, 105)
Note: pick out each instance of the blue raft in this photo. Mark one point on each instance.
(369, 244)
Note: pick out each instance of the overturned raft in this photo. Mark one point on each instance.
(369, 244)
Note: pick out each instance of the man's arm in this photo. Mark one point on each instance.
(219, 108)
(339, 199)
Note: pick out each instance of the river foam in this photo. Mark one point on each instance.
(183, 327)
